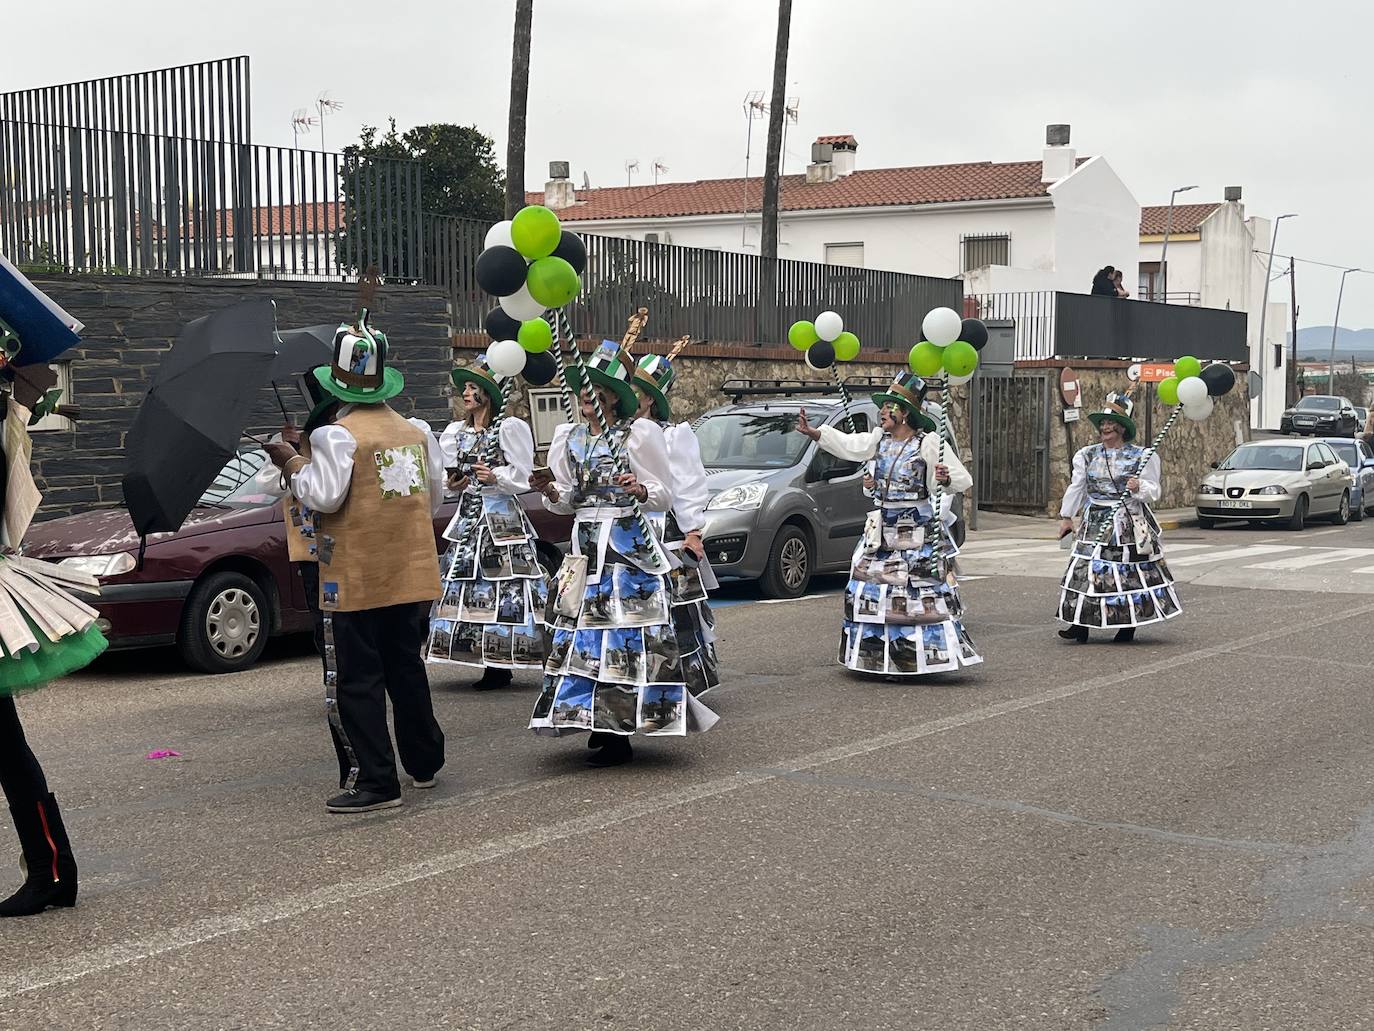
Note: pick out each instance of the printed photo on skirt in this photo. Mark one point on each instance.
(479, 603)
(505, 519)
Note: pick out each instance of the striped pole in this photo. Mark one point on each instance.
(1144, 460)
(844, 395)
(943, 430)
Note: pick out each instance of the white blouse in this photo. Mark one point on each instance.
(860, 447)
(647, 456)
(322, 484)
(688, 478)
(517, 445)
(1077, 494)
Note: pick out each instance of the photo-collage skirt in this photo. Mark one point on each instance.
(901, 606)
(1122, 582)
(491, 612)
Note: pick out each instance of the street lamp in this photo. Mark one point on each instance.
(1164, 251)
(1264, 301)
(1335, 325)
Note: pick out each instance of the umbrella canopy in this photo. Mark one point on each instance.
(300, 350)
(193, 416)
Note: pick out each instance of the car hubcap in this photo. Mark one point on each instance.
(1345, 508)
(794, 562)
(233, 623)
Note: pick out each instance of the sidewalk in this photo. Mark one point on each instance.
(993, 525)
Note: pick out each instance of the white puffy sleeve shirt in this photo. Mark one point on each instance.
(688, 477)
(560, 465)
(322, 483)
(1076, 496)
(851, 447)
(646, 453)
(517, 445)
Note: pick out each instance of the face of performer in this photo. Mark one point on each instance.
(646, 404)
(892, 418)
(608, 400)
(1111, 433)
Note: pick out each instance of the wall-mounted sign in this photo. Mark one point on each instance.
(1071, 414)
(1154, 372)
(1069, 389)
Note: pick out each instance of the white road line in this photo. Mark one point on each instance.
(804, 597)
(1008, 552)
(1314, 558)
(1226, 554)
(251, 918)
(1364, 569)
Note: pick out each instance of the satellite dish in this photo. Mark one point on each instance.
(586, 181)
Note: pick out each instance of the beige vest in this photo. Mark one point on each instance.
(298, 543)
(378, 549)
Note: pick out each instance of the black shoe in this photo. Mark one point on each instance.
(356, 801)
(492, 679)
(1074, 633)
(1124, 635)
(598, 739)
(615, 752)
(50, 868)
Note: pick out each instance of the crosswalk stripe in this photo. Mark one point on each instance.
(1037, 549)
(1224, 554)
(1314, 558)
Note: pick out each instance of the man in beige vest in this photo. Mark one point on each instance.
(374, 482)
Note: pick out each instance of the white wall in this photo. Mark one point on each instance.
(1096, 223)
(1185, 265)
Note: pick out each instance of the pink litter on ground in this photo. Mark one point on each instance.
(165, 753)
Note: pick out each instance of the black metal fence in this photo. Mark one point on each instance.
(1031, 312)
(1107, 327)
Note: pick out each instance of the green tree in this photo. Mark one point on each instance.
(393, 185)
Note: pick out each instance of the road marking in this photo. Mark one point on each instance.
(1225, 554)
(1005, 552)
(1314, 558)
(804, 597)
(254, 917)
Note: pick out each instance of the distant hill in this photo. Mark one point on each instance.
(1350, 343)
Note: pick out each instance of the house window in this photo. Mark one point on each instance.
(1151, 281)
(984, 249)
(546, 415)
(64, 384)
(849, 254)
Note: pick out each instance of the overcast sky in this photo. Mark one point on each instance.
(1269, 95)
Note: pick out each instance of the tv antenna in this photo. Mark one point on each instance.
(326, 104)
(789, 117)
(300, 123)
(659, 166)
(755, 107)
(631, 167)
(586, 181)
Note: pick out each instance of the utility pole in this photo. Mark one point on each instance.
(1293, 354)
(766, 317)
(519, 102)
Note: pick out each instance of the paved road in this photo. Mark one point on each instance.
(1176, 833)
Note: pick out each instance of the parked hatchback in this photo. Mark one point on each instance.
(1358, 457)
(1276, 481)
(1322, 415)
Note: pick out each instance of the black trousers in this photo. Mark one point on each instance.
(20, 774)
(378, 656)
(310, 577)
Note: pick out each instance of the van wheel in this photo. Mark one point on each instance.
(1299, 517)
(224, 624)
(1342, 513)
(789, 565)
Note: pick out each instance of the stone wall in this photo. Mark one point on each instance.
(132, 322)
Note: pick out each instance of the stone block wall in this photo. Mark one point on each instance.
(131, 322)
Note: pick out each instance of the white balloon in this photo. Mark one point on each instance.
(1192, 391)
(829, 325)
(1198, 412)
(942, 326)
(521, 306)
(506, 358)
(956, 380)
(499, 235)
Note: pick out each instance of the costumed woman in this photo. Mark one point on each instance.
(491, 614)
(614, 665)
(45, 632)
(680, 527)
(1116, 579)
(902, 611)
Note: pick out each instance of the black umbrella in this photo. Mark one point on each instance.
(300, 350)
(193, 416)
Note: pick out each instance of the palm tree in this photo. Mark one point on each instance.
(519, 97)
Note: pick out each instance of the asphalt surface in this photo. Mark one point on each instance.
(1177, 833)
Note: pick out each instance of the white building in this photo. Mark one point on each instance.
(1217, 259)
(1045, 224)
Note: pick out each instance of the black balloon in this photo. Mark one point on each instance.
(1220, 378)
(975, 333)
(571, 249)
(820, 355)
(540, 369)
(501, 271)
(500, 326)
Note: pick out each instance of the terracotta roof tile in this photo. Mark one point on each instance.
(843, 138)
(879, 187)
(1187, 218)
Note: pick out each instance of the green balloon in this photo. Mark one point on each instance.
(846, 346)
(925, 359)
(1167, 389)
(802, 335)
(535, 232)
(1187, 366)
(535, 336)
(552, 281)
(960, 358)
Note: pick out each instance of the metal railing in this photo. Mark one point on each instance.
(1032, 313)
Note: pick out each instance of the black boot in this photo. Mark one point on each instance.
(492, 679)
(1075, 633)
(598, 739)
(49, 866)
(1126, 633)
(615, 752)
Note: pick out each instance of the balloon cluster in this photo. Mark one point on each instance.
(532, 264)
(951, 346)
(1194, 387)
(825, 341)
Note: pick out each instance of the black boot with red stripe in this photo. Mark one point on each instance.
(49, 865)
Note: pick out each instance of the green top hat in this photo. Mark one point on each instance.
(907, 392)
(359, 373)
(480, 373)
(608, 366)
(1119, 409)
(655, 376)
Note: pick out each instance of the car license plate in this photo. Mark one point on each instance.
(1304, 422)
(1234, 504)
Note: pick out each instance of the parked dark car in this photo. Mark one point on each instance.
(1322, 415)
(221, 585)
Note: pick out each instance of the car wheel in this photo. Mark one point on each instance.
(1357, 511)
(789, 565)
(1299, 517)
(1342, 514)
(224, 624)
(1203, 523)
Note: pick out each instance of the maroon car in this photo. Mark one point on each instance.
(221, 585)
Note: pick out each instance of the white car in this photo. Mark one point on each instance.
(1275, 481)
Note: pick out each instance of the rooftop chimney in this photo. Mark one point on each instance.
(1232, 194)
(1060, 159)
(558, 191)
(822, 167)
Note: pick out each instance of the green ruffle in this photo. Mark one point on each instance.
(29, 670)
